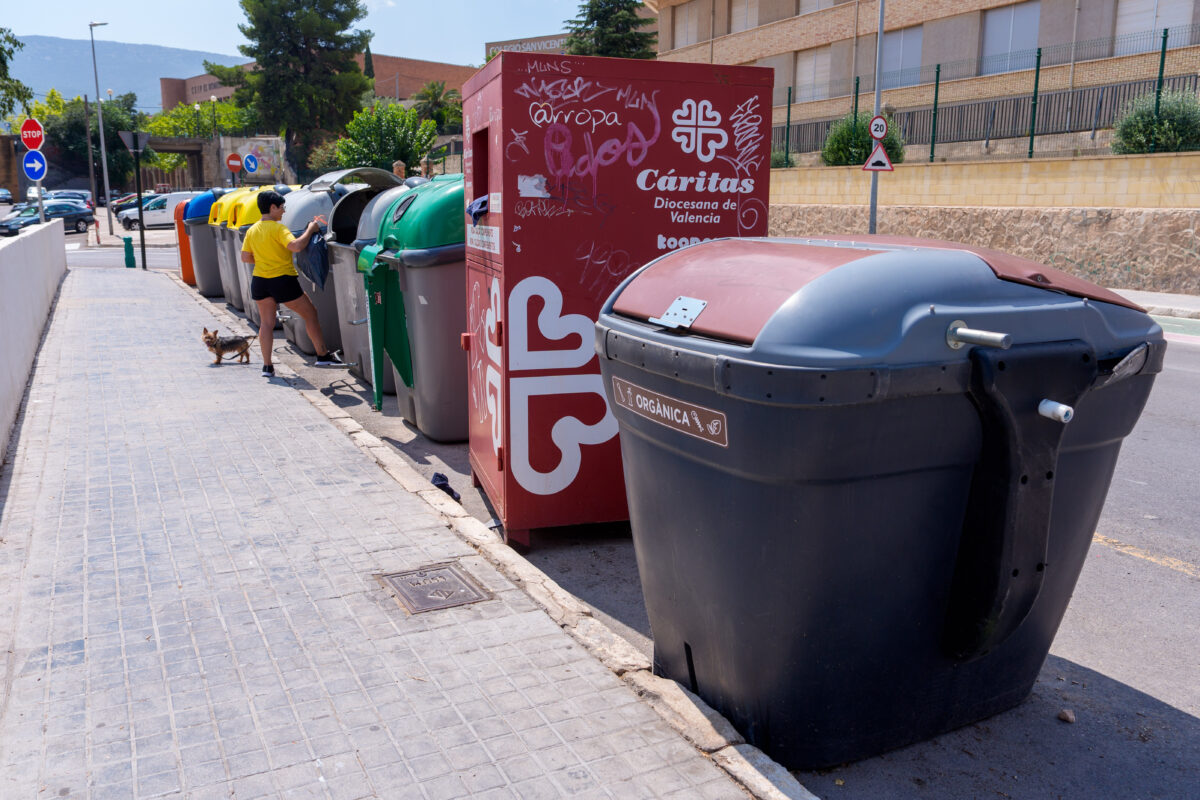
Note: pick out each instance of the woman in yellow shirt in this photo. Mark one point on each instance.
(269, 246)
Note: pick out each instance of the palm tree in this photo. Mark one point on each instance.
(444, 106)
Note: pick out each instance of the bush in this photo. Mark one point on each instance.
(850, 145)
(780, 159)
(1177, 128)
(323, 157)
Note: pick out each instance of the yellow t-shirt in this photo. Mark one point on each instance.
(267, 241)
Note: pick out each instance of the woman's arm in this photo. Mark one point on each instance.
(301, 241)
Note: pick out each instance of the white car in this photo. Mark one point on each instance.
(158, 212)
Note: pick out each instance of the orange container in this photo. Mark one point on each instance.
(185, 246)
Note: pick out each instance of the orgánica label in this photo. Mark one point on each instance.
(694, 420)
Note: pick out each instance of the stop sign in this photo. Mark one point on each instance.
(234, 162)
(32, 134)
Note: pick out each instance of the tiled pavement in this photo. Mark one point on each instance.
(189, 607)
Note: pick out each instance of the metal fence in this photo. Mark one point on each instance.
(1067, 111)
(1054, 55)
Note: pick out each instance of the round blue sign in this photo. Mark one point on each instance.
(34, 164)
(250, 163)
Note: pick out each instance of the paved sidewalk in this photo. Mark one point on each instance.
(189, 555)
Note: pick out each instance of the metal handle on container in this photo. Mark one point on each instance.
(1059, 412)
(362, 321)
(959, 334)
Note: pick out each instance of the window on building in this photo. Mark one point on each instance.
(743, 15)
(812, 75)
(1010, 38)
(901, 58)
(1140, 24)
(809, 6)
(687, 24)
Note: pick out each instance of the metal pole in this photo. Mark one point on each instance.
(1037, 73)
(937, 82)
(87, 127)
(1071, 79)
(137, 177)
(878, 75)
(787, 133)
(100, 121)
(1162, 63)
(41, 207)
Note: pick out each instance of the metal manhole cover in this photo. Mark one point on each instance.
(435, 587)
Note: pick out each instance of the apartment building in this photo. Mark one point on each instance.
(985, 48)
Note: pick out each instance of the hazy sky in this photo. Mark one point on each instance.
(442, 30)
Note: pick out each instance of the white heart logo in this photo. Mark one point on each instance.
(550, 323)
(568, 433)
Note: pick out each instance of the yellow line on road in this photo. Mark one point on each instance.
(1163, 561)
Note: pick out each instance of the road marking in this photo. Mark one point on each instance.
(1175, 564)
(1182, 338)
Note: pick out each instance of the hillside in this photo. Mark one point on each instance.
(49, 62)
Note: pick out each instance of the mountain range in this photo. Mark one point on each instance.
(51, 62)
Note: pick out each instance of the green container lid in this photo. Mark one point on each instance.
(427, 216)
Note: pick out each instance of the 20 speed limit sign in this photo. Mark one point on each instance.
(878, 127)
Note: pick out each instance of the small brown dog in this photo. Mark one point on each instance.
(220, 345)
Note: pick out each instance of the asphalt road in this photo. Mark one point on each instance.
(1126, 659)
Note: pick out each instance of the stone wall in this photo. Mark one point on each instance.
(1124, 248)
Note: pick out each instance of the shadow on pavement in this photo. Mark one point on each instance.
(1124, 743)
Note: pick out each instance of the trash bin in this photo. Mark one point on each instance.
(186, 271)
(202, 244)
(344, 248)
(243, 212)
(319, 198)
(863, 475)
(218, 219)
(419, 270)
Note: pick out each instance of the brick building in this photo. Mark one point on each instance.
(986, 48)
(394, 77)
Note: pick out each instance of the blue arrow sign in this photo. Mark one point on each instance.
(249, 163)
(34, 164)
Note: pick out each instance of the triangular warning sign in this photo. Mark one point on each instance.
(878, 161)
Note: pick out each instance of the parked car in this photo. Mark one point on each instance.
(130, 201)
(158, 212)
(75, 217)
(32, 192)
(5, 196)
(71, 194)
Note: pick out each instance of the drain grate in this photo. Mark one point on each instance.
(435, 587)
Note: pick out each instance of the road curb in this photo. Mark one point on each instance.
(693, 719)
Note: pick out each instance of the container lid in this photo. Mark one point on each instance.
(303, 205)
(199, 205)
(427, 216)
(856, 292)
(371, 176)
(743, 282)
(219, 213)
(347, 211)
(245, 209)
(372, 215)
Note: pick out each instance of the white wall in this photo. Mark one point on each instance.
(31, 266)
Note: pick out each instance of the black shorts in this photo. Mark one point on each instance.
(283, 289)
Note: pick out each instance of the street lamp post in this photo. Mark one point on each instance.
(100, 117)
(212, 101)
(196, 129)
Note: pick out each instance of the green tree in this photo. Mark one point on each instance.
(850, 143)
(1175, 129)
(610, 28)
(324, 157)
(305, 81)
(13, 93)
(68, 132)
(41, 110)
(381, 135)
(444, 106)
(368, 63)
(223, 118)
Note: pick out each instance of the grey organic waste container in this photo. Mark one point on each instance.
(364, 210)
(204, 247)
(858, 518)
